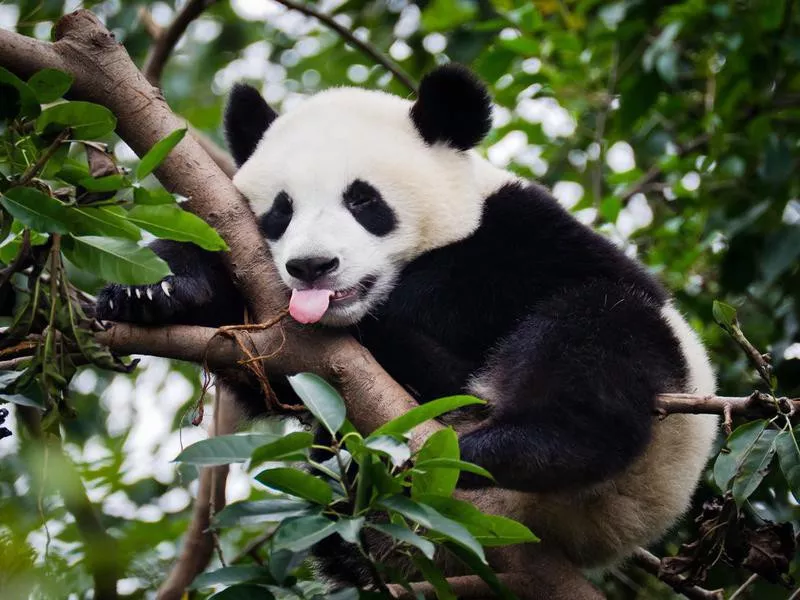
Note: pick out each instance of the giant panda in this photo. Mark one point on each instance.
(461, 277)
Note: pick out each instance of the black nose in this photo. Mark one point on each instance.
(312, 268)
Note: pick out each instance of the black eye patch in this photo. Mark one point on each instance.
(369, 208)
(275, 221)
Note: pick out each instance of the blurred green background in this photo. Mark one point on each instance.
(672, 127)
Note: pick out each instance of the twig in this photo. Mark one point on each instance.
(251, 549)
(34, 169)
(754, 406)
(167, 39)
(350, 38)
(741, 589)
(656, 171)
(652, 564)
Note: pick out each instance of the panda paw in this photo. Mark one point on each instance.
(172, 300)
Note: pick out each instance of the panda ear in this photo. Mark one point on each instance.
(453, 107)
(247, 117)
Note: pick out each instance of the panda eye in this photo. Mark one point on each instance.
(275, 221)
(282, 204)
(360, 194)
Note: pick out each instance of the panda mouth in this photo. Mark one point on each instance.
(360, 290)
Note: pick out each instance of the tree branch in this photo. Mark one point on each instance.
(198, 541)
(652, 564)
(164, 41)
(350, 38)
(167, 38)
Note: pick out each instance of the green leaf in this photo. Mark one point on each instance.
(451, 463)
(297, 483)
(111, 259)
(88, 121)
(8, 379)
(751, 448)
(435, 521)
(230, 576)
(432, 574)
(49, 84)
(109, 183)
(724, 315)
(155, 196)
(37, 210)
(489, 530)
(289, 447)
(482, 570)
(158, 153)
(300, 533)
(321, 399)
(247, 591)
(405, 535)
(107, 221)
(425, 412)
(171, 222)
(350, 528)
(443, 444)
(447, 14)
(17, 99)
(788, 449)
(273, 510)
(224, 449)
(396, 450)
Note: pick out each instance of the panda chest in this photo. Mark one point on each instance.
(423, 364)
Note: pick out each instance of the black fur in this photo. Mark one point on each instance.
(369, 208)
(275, 221)
(567, 327)
(452, 107)
(201, 292)
(247, 117)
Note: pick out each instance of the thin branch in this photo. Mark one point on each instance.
(754, 406)
(164, 41)
(350, 38)
(198, 541)
(652, 564)
(33, 170)
(654, 172)
(168, 38)
(742, 588)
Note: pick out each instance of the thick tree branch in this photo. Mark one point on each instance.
(167, 39)
(350, 38)
(652, 564)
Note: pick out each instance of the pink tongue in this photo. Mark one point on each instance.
(308, 306)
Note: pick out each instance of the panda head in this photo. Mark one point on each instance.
(352, 184)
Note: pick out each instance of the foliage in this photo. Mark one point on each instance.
(671, 126)
(364, 487)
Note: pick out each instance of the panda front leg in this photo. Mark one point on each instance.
(571, 393)
(199, 292)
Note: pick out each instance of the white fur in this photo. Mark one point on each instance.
(316, 150)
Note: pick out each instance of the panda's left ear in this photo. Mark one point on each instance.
(452, 107)
(247, 117)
